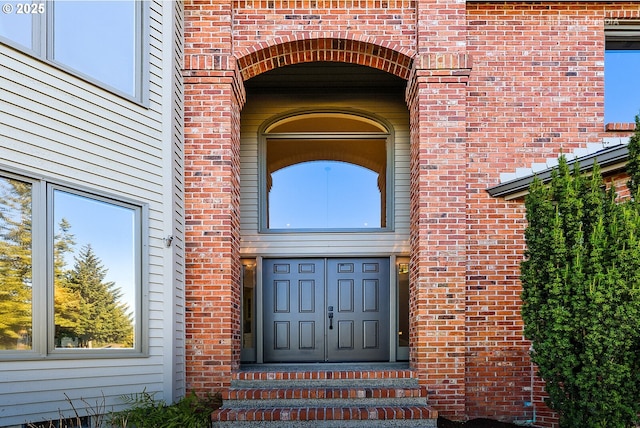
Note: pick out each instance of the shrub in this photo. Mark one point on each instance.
(581, 295)
(147, 412)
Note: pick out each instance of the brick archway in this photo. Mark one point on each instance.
(214, 89)
(281, 52)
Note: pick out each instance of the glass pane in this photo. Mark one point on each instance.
(248, 301)
(16, 21)
(403, 303)
(324, 195)
(622, 87)
(15, 265)
(94, 273)
(97, 38)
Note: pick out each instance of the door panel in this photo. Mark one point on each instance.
(345, 295)
(345, 335)
(326, 310)
(294, 314)
(358, 290)
(370, 334)
(307, 335)
(370, 295)
(282, 331)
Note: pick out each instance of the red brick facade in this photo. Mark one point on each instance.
(491, 87)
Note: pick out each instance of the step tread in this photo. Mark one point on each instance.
(311, 392)
(324, 413)
(325, 374)
(327, 383)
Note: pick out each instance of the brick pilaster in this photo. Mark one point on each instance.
(214, 96)
(436, 96)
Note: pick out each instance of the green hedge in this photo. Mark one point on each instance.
(581, 294)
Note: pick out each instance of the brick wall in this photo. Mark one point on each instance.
(536, 90)
(265, 22)
(491, 87)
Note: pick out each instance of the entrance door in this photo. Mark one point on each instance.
(326, 310)
(294, 303)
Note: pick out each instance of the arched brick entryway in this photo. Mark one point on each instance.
(294, 50)
(214, 97)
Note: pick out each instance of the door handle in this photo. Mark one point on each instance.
(330, 320)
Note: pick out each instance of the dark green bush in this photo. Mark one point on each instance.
(581, 295)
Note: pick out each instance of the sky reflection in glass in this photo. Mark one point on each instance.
(324, 195)
(622, 85)
(97, 39)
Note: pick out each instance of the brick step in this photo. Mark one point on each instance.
(324, 372)
(322, 393)
(333, 395)
(310, 397)
(325, 383)
(402, 382)
(415, 416)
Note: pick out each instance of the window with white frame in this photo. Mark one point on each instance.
(70, 271)
(622, 62)
(102, 41)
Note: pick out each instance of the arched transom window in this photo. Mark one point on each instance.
(325, 171)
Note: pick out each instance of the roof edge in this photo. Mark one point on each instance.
(610, 159)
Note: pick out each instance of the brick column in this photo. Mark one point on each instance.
(436, 96)
(213, 98)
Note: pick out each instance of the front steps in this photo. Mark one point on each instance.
(325, 395)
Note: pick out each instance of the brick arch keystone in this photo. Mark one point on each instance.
(283, 51)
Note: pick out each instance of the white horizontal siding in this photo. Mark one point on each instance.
(175, 387)
(34, 76)
(43, 390)
(64, 129)
(260, 108)
(77, 141)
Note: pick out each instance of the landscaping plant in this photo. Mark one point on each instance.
(581, 294)
(143, 411)
(146, 412)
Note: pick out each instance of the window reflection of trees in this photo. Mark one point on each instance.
(89, 309)
(15, 265)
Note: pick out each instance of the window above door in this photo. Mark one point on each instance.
(325, 171)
